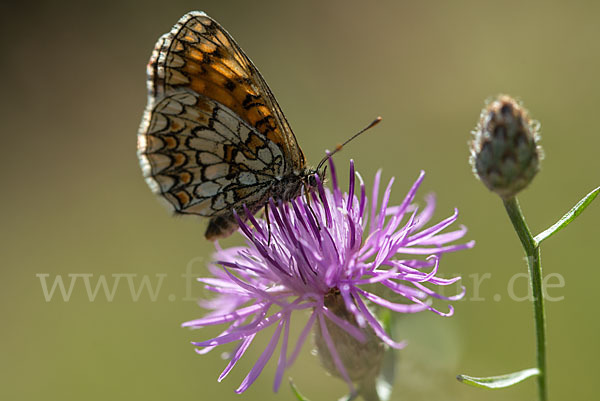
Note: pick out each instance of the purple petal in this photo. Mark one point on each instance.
(402, 308)
(351, 179)
(238, 335)
(431, 231)
(239, 352)
(282, 355)
(376, 277)
(376, 326)
(433, 294)
(206, 350)
(337, 193)
(262, 361)
(413, 190)
(436, 250)
(334, 354)
(344, 324)
(301, 339)
(255, 223)
(427, 212)
(384, 203)
(240, 313)
(374, 196)
(345, 291)
(363, 196)
(445, 238)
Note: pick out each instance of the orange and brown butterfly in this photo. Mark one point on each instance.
(213, 138)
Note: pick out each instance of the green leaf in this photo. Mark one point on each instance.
(299, 396)
(568, 217)
(502, 381)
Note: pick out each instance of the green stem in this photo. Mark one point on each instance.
(532, 250)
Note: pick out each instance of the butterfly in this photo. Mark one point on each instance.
(213, 138)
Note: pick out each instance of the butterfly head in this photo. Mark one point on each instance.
(312, 178)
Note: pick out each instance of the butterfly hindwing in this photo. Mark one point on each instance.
(202, 158)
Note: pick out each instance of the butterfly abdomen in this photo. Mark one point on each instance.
(220, 227)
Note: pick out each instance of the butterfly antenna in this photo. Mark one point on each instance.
(340, 147)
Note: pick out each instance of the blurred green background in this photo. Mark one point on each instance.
(74, 201)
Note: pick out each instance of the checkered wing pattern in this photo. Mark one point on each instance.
(213, 137)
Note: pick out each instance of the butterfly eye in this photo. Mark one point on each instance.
(312, 180)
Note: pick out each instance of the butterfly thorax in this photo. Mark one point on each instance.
(292, 185)
(282, 189)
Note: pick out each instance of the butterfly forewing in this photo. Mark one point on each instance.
(213, 137)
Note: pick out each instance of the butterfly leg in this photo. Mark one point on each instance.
(314, 215)
(268, 223)
(307, 195)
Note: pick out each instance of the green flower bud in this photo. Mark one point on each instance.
(505, 154)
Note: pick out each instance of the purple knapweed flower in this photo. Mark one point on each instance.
(328, 255)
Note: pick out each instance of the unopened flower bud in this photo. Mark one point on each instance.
(505, 154)
(361, 360)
